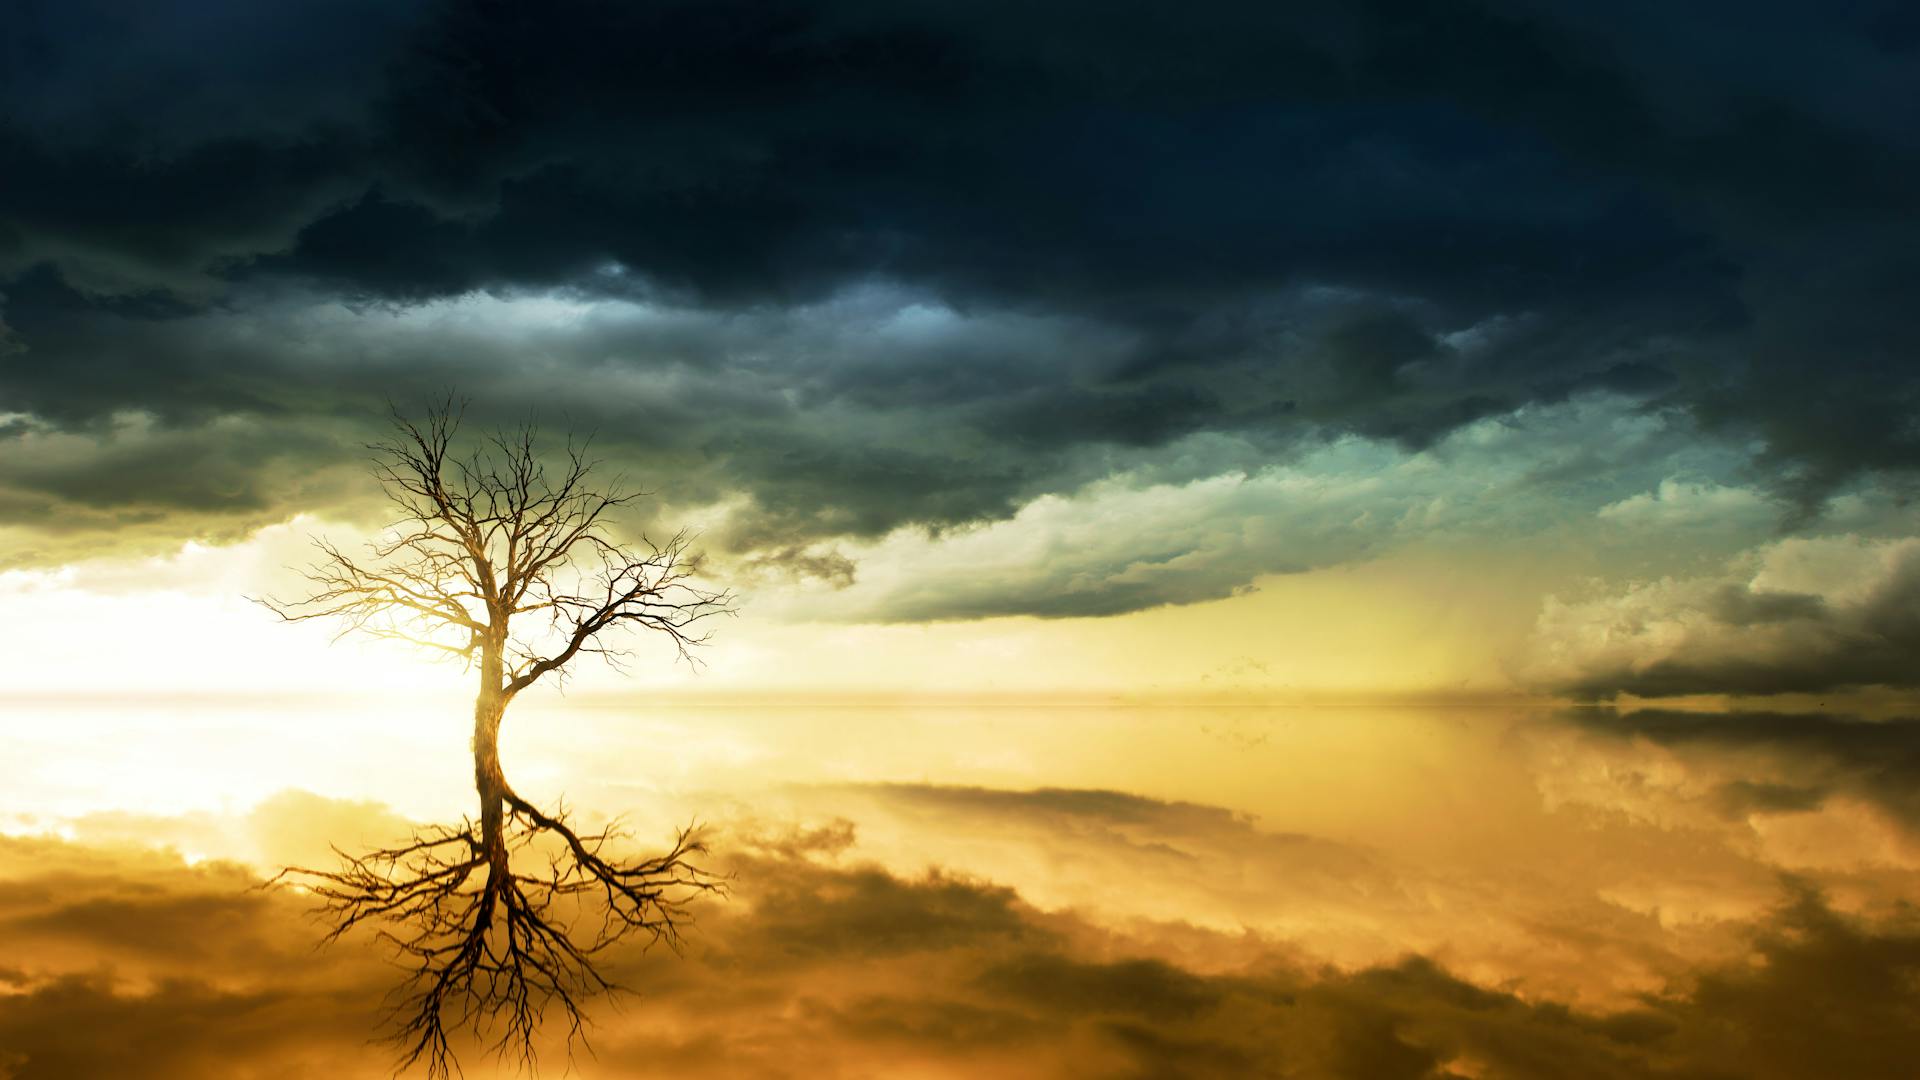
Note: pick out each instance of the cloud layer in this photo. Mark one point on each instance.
(844, 268)
(1805, 615)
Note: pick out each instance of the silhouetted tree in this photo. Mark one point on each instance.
(502, 561)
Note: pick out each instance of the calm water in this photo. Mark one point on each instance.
(1586, 855)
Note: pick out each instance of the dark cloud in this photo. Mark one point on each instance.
(87, 72)
(817, 967)
(1269, 227)
(1736, 606)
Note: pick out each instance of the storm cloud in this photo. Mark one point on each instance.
(845, 268)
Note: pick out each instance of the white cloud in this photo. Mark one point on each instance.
(1802, 614)
(1142, 538)
(1681, 504)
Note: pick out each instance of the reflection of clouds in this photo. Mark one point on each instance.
(1586, 857)
(1127, 858)
(1492, 895)
(1780, 763)
(127, 962)
(130, 963)
(1565, 903)
(1842, 834)
(1817, 794)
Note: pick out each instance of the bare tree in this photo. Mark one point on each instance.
(504, 565)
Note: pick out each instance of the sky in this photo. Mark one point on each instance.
(1554, 333)
(1493, 421)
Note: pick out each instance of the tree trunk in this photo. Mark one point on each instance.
(491, 784)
